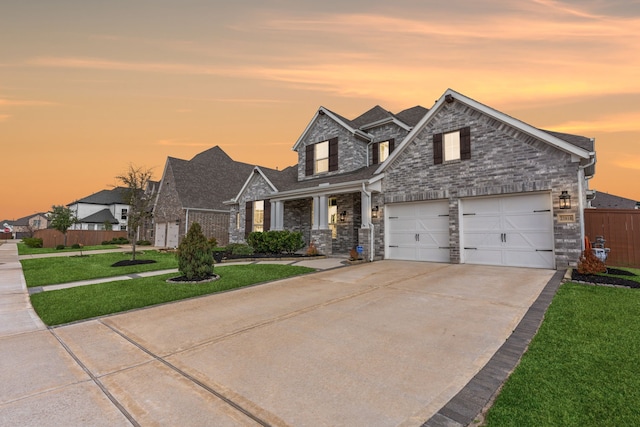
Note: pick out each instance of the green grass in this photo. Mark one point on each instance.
(581, 368)
(26, 250)
(84, 302)
(49, 271)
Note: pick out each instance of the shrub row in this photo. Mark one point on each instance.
(32, 242)
(117, 241)
(275, 241)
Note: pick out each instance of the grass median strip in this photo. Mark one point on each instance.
(51, 271)
(84, 302)
(26, 250)
(581, 368)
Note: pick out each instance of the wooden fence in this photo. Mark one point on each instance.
(621, 230)
(52, 238)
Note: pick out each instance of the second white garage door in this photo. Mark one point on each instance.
(418, 231)
(513, 231)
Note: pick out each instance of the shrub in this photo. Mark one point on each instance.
(143, 243)
(32, 242)
(75, 246)
(213, 242)
(120, 241)
(275, 241)
(589, 263)
(194, 255)
(239, 249)
(105, 242)
(59, 247)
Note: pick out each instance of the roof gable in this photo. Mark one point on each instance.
(452, 96)
(104, 197)
(375, 114)
(100, 217)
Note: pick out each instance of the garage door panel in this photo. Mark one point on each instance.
(508, 230)
(418, 231)
(533, 259)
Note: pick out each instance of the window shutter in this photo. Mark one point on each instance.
(333, 154)
(375, 153)
(437, 149)
(248, 219)
(267, 215)
(392, 145)
(465, 143)
(308, 160)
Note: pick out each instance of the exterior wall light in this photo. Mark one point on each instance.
(343, 216)
(374, 212)
(565, 200)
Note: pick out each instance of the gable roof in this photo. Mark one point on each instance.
(553, 139)
(104, 197)
(610, 201)
(25, 219)
(100, 217)
(374, 117)
(208, 179)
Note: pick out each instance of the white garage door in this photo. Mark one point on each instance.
(418, 231)
(161, 235)
(514, 231)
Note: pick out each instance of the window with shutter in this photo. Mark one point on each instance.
(333, 154)
(267, 216)
(309, 160)
(258, 215)
(437, 149)
(375, 152)
(465, 143)
(248, 219)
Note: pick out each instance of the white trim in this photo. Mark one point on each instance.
(578, 152)
(334, 117)
(246, 184)
(385, 121)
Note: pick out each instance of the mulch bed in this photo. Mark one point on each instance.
(607, 280)
(184, 280)
(127, 262)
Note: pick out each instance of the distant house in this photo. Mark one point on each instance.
(194, 191)
(94, 212)
(25, 226)
(601, 200)
(459, 183)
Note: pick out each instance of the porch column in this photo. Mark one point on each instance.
(323, 207)
(316, 213)
(365, 209)
(277, 215)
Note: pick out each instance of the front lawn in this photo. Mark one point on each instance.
(49, 271)
(581, 368)
(26, 250)
(84, 302)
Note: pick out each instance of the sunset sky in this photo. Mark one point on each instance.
(89, 86)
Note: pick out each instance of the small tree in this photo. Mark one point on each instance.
(61, 219)
(135, 180)
(195, 260)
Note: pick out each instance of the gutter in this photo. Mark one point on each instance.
(371, 226)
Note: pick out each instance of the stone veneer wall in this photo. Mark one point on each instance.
(258, 189)
(503, 161)
(352, 152)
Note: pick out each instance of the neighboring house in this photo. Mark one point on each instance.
(95, 211)
(146, 229)
(602, 200)
(194, 191)
(459, 183)
(26, 226)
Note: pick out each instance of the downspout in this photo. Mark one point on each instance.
(371, 232)
(581, 168)
(186, 222)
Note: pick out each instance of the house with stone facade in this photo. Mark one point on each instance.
(194, 191)
(459, 183)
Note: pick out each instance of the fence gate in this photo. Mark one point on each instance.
(621, 229)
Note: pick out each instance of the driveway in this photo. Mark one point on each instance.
(380, 344)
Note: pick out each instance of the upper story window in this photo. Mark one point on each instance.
(321, 156)
(123, 215)
(381, 151)
(450, 146)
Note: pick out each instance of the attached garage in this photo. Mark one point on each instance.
(509, 230)
(418, 231)
(166, 235)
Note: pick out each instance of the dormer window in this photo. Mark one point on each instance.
(321, 156)
(381, 151)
